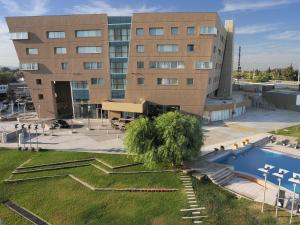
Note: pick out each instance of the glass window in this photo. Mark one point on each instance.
(41, 96)
(56, 34)
(92, 65)
(120, 51)
(29, 66)
(215, 49)
(97, 81)
(118, 67)
(118, 94)
(190, 30)
(88, 33)
(80, 91)
(167, 48)
(190, 47)
(38, 81)
(174, 30)
(78, 85)
(190, 81)
(119, 34)
(19, 35)
(208, 30)
(118, 83)
(140, 64)
(167, 81)
(64, 66)
(60, 50)
(203, 65)
(89, 49)
(140, 48)
(156, 31)
(140, 80)
(32, 51)
(167, 65)
(139, 31)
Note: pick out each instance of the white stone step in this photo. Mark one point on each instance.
(193, 217)
(197, 212)
(192, 209)
(192, 201)
(197, 221)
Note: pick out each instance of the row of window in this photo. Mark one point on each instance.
(158, 31)
(63, 50)
(57, 34)
(122, 67)
(166, 81)
(79, 85)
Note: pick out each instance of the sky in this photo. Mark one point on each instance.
(267, 30)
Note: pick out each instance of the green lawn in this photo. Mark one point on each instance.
(293, 131)
(62, 201)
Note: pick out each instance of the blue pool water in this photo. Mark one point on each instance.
(255, 158)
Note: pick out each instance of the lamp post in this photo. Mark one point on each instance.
(29, 128)
(37, 137)
(265, 170)
(23, 126)
(279, 175)
(295, 180)
(16, 127)
(89, 123)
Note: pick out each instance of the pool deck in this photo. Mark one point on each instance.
(283, 149)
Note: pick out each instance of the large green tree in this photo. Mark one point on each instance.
(171, 138)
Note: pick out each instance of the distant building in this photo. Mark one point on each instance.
(3, 89)
(79, 65)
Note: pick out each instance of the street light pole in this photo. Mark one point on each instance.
(23, 126)
(265, 172)
(37, 137)
(295, 180)
(29, 128)
(279, 175)
(17, 136)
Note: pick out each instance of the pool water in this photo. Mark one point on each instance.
(250, 160)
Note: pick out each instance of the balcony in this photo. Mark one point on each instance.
(19, 36)
(29, 66)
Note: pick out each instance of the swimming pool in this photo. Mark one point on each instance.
(250, 160)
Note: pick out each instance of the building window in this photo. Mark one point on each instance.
(209, 81)
(208, 30)
(118, 51)
(19, 36)
(80, 91)
(220, 52)
(92, 65)
(140, 81)
(89, 49)
(140, 64)
(156, 31)
(190, 47)
(190, 30)
(38, 81)
(29, 66)
(56, 34)
(190, 81)
(167, 65)
(41, 96)
(88, 33)
(139, 31)
(167, 81)
(174, 30)
(118, 67)
(140, 48)
(119, 34)
(32, 51)
(203, 65)
(60, 50)
(97, 81)
(215, 49)
(167, 48)
(64, 66)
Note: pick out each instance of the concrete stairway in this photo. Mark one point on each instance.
(222, 176)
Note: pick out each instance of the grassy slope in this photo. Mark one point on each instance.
(63, 201)
(293, 131)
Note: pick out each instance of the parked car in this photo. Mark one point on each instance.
(60, 124)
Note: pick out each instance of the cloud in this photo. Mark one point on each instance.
(26, 8)
(286, 36)
(8, 56)
(104, 7)
(257, 28)
(243, 5)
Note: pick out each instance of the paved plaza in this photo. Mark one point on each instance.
(103, 138)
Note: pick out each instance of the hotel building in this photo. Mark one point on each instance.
(98, 65)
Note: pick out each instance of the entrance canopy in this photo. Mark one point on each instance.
(124, 106)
